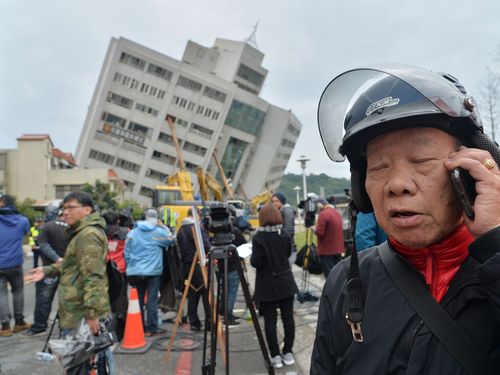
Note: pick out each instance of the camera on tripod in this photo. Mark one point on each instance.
(310, 210)
(220, 223)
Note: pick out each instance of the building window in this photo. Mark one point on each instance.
(127, 165)
(101, 156)
(232, 156)
(161, 94)
(191, 166)
(293, 130)
(195, 149)
(287, 143)
(156, 175)
(118, 77)
(215, 94)
(244, 117)
(146, 109)
(189, 84)
(200, 109)
(158, 71)
(201, 130)
(215, 115)
(136, 62)
(165, 138)
(250, 75)
(113, 119)
(141, 129)
(146, 191)
(144, 87)
(164, 158)
(122, 101)
(181, 122)
(63, 190)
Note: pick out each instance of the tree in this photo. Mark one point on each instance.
(103, 197)
(25, 208)
(490, 101)
(135, 207)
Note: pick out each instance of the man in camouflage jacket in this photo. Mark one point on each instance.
(83, 288)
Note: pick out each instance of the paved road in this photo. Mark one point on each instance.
(17, 353)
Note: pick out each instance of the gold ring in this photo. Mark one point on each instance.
(489, 163)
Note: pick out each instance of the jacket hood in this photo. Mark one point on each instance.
(10, 216)
(187, 221)
(146, 225)
(93, 219)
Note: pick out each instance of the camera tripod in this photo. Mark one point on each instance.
(224, 253)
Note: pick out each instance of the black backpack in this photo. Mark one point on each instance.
(308, 259)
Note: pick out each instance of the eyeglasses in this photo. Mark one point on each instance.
(70, 208)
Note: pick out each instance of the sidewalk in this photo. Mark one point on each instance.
(306, 315)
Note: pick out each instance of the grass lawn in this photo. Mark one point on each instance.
(300, 236)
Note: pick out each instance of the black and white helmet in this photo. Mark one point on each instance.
(360, 104)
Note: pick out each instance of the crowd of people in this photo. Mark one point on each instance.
(414, 248)
(91, 259)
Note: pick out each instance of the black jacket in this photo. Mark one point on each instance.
(274, 279)
(396, 341)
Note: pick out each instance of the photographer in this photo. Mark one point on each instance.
(330, 236)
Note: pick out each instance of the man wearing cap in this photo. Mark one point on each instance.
(328, 230)
(406, 131)
(287, 213)
(144, 258)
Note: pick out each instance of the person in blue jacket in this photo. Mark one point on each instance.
(144, 257)
(13, 227)
(368, 232)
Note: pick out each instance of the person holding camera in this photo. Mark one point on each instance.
(330, 235)
(275, 286)
(426, 301)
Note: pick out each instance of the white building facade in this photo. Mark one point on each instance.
(213, 94)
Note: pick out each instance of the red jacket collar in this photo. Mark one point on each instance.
(439, 262)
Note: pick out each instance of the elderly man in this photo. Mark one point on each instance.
(406, 130)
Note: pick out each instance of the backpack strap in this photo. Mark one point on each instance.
(451, 335)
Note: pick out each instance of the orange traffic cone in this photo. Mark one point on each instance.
(133, 338)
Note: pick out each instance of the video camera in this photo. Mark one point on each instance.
(310, 210)
(220, 223)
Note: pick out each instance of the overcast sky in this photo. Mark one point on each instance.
(52, 51)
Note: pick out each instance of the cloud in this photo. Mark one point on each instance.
(53, 51)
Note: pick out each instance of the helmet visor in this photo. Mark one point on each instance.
(378, 93)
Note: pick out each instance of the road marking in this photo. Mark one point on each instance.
(185, 362)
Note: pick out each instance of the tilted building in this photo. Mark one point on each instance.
(213, 94)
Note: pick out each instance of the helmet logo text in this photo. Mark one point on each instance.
(382, 103)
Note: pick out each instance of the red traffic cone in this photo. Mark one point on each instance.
(133, 338)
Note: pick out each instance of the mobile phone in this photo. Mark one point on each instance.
(465, 186)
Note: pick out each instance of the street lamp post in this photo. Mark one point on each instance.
(303, 161)
(297, 190)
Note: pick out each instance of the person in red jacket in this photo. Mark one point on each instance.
(328, 230)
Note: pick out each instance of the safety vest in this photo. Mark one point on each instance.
(34, 233)
(169, 217)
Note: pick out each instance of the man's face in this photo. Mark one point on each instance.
(409, 187)
(276, 202)
(73, 212)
